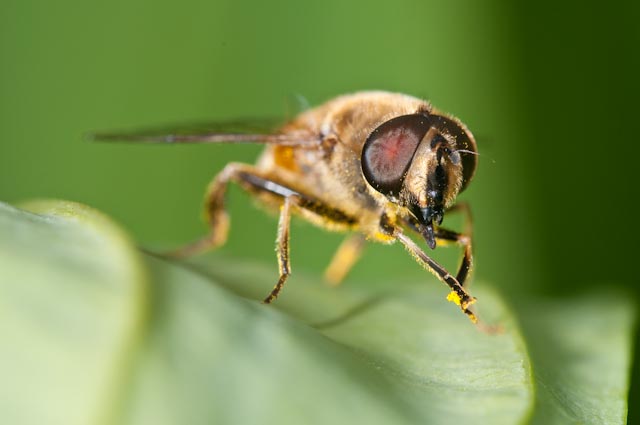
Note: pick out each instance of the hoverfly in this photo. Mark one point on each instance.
(377, 165)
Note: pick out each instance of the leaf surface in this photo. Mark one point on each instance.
(93, 331)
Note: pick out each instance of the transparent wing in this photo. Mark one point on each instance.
(262, 130)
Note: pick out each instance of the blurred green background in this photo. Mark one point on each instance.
(550, 91)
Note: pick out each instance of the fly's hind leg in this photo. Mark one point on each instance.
(215, 212)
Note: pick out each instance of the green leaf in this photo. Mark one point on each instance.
(581, 352)
(71, 310)
(92, 331)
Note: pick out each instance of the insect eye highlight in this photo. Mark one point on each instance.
(388, 151)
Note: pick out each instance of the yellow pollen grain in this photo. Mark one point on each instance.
(453, 297)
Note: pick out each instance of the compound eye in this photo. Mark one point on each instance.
(464, 141)
(388, 151)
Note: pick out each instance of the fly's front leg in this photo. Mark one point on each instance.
(458, 294)
(445, 236)
(462, 239)
(449, 236)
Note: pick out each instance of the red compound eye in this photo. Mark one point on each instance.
(389, 149)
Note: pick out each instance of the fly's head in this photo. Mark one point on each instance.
(420, 162)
